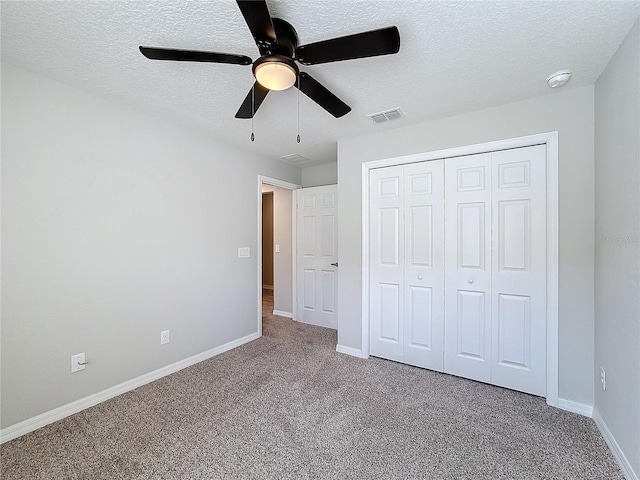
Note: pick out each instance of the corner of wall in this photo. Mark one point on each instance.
(319, 175)
(611, 442)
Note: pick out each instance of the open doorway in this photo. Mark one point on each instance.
(267, 251)
(267, 241)
(276, 247)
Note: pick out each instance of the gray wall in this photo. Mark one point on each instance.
(318, 175)
(570, 112)
(115, 226)
(267, 239)
(617, 251)
(283, 236)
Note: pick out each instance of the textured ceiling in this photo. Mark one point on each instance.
(454, 57)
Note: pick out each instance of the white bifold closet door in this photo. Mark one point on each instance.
(458, 266)
(495, 263)
(407, 264)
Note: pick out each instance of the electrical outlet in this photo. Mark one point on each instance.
(164, 337)
(277, 248)
(78, 362)
(603, 378)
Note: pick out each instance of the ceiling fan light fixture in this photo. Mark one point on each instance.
(275, 72)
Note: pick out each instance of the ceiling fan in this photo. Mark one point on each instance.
(276, 69)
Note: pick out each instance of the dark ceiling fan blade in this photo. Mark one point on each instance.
(323, 97)
(247, 110)
(256, 14)
(366, 44)
(193, 56)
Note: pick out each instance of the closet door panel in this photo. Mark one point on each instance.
(519, 270)
(467, 344)
(471, 325)
(386, 276)
(424, 264)
(419, 333)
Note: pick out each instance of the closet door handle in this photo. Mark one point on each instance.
(471, 280)
(419, 277)
(334, 264)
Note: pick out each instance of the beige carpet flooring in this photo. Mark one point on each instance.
(287, 406)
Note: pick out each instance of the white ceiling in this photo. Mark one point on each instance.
(454, 57)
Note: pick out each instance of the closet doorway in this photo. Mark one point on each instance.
(461, 270)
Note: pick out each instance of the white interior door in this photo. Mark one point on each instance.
(317, 256)
(519, 332)
(467, 350)
(406, 268)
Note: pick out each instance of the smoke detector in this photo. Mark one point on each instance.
(559, 78)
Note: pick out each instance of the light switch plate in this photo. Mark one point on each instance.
(77, 361)
(244, 252)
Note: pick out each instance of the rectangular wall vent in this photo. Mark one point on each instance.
(294, 158)
(387, 115)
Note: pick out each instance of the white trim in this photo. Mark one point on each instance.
(575, 407)
(262, 179)
(294, 253)
(365, 258)
(354, 352)
(552, 268)
(277, 183)
(550, 139)
(618, 454)
(31, 424)
(282, 313)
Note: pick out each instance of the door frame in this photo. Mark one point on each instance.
(264, 180)
(550, 141)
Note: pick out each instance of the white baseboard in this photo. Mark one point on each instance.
(281, 313)
(618, 454)
(575, 407)
(31, 424)
(354, 352)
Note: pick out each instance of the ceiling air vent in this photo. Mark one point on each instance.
(295, 159)
(387, 115)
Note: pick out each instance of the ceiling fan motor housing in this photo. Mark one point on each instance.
(276, 69)
(287, 38)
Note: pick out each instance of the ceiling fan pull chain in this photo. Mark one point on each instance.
(253, 99)
(298, 110)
